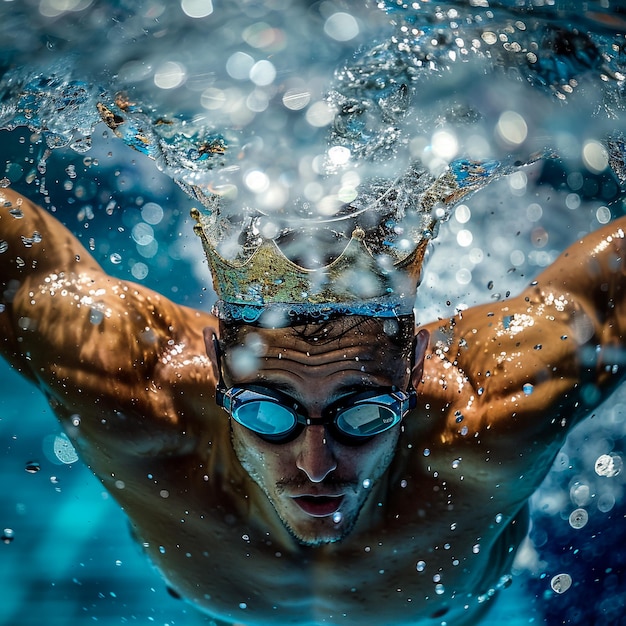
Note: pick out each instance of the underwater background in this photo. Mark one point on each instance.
(67, 556)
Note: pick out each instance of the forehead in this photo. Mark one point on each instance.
(375, 351)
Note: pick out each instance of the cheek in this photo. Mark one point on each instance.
(376, 457)
(254, 454)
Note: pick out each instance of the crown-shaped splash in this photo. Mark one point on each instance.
(377, 269)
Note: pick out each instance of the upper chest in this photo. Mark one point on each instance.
(414, 558)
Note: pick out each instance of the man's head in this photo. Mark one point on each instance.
(318, 481)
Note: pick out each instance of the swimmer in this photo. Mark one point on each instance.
(357, 470)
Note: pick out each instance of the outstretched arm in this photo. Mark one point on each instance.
(120, 356)
(527, 369)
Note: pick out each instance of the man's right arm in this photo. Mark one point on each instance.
(127, 360)
(33, 245)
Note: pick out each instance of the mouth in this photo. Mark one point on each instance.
(319, 506)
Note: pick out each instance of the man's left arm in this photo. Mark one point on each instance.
(534, 365)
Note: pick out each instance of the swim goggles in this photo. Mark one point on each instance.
(277, 418)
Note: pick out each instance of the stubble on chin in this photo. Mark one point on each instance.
(321, 531)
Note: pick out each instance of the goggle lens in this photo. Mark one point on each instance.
(265, 418)
(366, 420)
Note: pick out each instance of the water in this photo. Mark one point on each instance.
(245, 102)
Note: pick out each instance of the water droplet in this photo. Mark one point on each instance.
(337, 517)
(421, 566)
(8, 535)
(499, 518)
(606, 502)
(578, 518)
(561, 583)
(367, 483)
(439, 589)
(32, 467)
(476, 548)
(95, 316)
(116, 258)
(426, 452)
(243, 605)
(505, 581)
(528, 388)
(609, 465)
(64, 450)
(162, 549)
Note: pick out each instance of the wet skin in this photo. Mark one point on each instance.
(315, 483)
(444, 511)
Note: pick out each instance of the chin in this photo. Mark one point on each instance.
(317, 537)
(321, 530)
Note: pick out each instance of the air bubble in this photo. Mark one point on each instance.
(528, 389)
(32, 467)
(337, 517)
(606, 502)
(608, 465)
(420, 566)
(561, 583)
(578, 518)
(64, 450)
(8, 535)
(367, 483)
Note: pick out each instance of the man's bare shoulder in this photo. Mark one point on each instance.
(526, 369)
(94, 343)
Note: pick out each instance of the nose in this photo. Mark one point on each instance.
(316, 457)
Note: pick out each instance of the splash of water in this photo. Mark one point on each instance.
(253, 110)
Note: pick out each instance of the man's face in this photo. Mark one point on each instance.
(317, 485)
